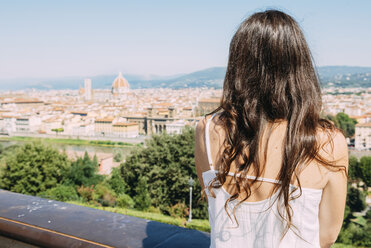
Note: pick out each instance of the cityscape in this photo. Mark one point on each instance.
(122, 113)
(116, 112)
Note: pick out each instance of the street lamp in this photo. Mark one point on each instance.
(190, 182)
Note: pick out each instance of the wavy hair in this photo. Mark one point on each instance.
(270, 77)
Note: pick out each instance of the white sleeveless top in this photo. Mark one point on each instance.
(259, 222)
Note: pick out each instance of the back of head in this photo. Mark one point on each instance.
(270, 69)
(270, 77)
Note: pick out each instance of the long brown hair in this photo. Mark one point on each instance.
(270, 77)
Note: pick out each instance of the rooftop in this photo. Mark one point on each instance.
(364, 124)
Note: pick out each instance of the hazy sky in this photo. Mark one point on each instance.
(87, 38)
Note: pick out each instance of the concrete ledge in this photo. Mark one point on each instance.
(11, 243)
(47, 223)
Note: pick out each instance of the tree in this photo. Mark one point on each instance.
(353, 169)
(33, 168)
(1, 149)
(116, 182)
(355, 200)
(57, 130)
(95, 160)
(83, 172)
(332, 119)
(118, 157)
(142, 199)
(365, 168)
(343, 122)
(346, 124)
(167, 162)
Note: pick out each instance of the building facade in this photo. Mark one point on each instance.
(363, 136)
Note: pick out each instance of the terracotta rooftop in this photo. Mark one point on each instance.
(163, 109)
(23, 100)
(163, 104)
(357, 116)
(125, 124)
(108, 119)
(364, 124)
(9, 116)
(139, 114)
(50, 120)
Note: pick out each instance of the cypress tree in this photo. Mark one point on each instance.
(142, 199)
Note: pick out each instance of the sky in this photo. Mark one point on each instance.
(48, 39)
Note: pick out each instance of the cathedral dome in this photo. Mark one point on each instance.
(120, 84)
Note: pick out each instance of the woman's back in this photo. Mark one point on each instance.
(259, 224)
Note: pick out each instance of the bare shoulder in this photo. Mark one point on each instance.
(200, 127)
(201, 161)
(333, 146)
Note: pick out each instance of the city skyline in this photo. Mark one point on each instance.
(86, 38)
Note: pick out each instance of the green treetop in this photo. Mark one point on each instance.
(33, 168)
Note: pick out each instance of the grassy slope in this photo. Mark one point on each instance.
(67, 141)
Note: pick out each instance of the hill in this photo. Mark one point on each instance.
(330, 76)
(345, 76)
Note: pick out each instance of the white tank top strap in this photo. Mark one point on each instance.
(207, 141)
(262, 179)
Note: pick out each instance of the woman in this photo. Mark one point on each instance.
(273, 171)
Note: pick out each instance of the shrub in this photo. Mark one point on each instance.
(154, 210)
(60, 193)
(368, 215)
(201, 210)
(179, 210)
(104, 195)
(356, 235)
(124, 201)
(86, 193)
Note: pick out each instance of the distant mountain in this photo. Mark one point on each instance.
(345, 76)
(332, 71)
(336, 76)
(211, 77)
(98, 82)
